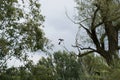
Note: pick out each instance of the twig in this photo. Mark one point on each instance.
(88, 48)
(74, 21)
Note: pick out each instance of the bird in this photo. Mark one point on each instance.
(60, 40)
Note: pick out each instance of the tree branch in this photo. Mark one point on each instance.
(93, 31)
(88, 48)
(94, 17)
(100, 23)
(74, 21)
(86, 53)
(80, 23)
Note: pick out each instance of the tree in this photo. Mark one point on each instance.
(64, 66)
(59, 66)
(67, 66)
(100, 19)
(20, 29)
(10, 74)
(44, 69)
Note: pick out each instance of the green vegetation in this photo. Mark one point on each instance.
(21, 32)
(20, 29)
(100, 19)
(64, 66)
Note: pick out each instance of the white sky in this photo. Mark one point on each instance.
(57, 25)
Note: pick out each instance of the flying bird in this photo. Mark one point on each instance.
(60, 40)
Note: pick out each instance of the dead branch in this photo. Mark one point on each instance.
(86, 53)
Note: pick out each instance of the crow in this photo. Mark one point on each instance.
(60, 40)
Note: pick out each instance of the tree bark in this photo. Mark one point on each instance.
(112, 35)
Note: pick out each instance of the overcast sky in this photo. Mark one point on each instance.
(57, 25)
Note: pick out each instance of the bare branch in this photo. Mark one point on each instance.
(93, 30)
(76, 42)
(80, 23)
(94, 17)
(86, 53)
(88, 48)
(74, 21)
(98, 24)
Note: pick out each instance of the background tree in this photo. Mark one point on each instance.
(59, 66)
(66, 66)
(20, 29)
(100, 20)
(44, 69)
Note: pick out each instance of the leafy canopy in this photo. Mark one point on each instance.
(99, 19)
(20, 28)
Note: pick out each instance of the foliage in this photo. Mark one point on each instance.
(64, 66)
(100, 20)
(20, 29)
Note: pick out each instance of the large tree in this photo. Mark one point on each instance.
(64, 66)
(20, 28)
(101, 21)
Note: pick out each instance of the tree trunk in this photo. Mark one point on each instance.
(112, 35)
(112, 53)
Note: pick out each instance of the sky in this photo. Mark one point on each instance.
(57, 25)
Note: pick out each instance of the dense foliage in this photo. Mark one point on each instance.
(21, 33)
(64, 66)
(20, 29)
